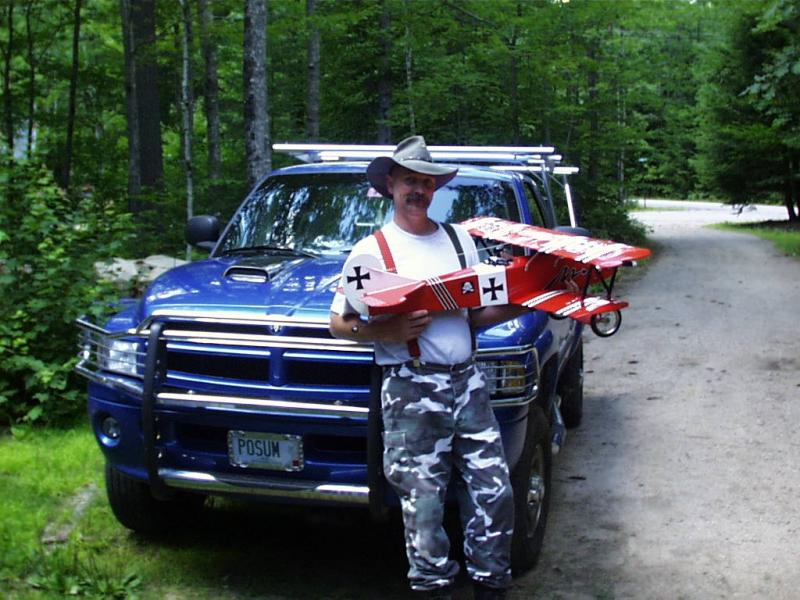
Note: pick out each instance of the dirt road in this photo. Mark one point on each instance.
(684, 480)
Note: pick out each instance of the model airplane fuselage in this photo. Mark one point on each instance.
(555, 279)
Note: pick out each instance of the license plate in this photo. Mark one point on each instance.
(276, 451)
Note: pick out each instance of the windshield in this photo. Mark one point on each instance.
(329, 212)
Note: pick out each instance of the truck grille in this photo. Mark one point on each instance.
(273, 365)
(234, 367)
(319, 373)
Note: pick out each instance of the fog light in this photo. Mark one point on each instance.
(110, 428)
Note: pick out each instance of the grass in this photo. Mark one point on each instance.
(234, 551)
(41, 472)
(784, 234)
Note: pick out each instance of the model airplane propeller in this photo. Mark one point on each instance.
(556, 278)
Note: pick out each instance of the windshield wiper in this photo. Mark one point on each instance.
(267, 249)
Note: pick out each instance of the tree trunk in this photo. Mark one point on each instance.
(794, 174)
(187, 111)
(8, 107)
(73, 87)
(622, 118)
(129, 50)
(312, 94)
(151, 162)
(514, 92)
(592, 81)
(256, 119)
(790, 195)
(31, 78)
(211, 81)
(409, 61)
(384, 78)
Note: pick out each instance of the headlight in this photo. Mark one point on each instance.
(120, 356)
(505, 377)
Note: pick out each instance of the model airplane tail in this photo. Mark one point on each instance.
(392, 299)
(363, 274)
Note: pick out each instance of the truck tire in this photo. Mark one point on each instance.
(570, 388)
(134, 506)
(531, 482)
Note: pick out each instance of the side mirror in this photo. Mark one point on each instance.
(202, 231)
(574, 230)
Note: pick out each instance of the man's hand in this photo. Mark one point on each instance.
(411, 325)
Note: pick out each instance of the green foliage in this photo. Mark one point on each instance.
(647, 97)
(49, 243)
(231, 551)
(73, 570)
(785, 235)
(608, 219)
(749, 137)
(43, 471)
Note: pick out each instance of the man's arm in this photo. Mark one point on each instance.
(397, 328)
(490, 315)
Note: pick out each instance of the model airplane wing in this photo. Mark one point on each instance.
(563, 303)
(579, 248)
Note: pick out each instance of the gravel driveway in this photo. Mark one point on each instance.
(682, 483)
(684, 479)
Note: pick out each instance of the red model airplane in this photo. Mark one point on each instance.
(555, 279)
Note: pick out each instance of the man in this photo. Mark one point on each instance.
(436, 410)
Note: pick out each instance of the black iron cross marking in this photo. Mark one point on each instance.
(493, 289)
(358, 278)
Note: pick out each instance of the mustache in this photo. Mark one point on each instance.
(416, 197)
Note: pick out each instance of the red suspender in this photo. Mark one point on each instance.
(386, 254)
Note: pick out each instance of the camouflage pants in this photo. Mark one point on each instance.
(435, 422)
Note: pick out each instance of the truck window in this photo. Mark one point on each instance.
(325, 212)
(537, 215)
(329, 212)
(467, 197)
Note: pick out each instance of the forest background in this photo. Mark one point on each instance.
(120, 118)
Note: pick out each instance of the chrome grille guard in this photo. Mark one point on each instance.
(512, 373)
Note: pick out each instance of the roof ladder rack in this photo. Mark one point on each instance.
(469, 154)
(540, 162)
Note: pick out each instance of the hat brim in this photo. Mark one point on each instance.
(381, 166)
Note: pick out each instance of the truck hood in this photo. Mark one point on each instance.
(265, 284)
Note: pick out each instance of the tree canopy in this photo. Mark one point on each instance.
(121, 113)
(647, 96)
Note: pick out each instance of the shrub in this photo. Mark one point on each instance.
(608, 219)
(49, 243)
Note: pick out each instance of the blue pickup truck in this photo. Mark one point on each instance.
(224, 380)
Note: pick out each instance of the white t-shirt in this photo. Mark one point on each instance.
(447, 339)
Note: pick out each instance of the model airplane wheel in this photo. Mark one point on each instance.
(606, 324)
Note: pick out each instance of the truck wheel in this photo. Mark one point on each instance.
(531, 482)
(570, 389)
(134, 506)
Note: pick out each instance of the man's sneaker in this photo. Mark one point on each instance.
(484, 592)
